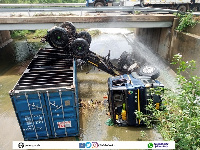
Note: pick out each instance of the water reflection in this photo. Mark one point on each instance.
(14, 58)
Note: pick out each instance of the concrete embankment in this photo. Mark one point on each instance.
(167, 42)
(5, 38)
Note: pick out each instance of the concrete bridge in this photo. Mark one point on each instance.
(90, 21)
(100, 20)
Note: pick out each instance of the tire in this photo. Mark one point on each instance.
(71, 29)
(80, 47)
(58, 38)
(124, 62)
(99, 4)
(86, 36)
(182, 8)
(149, 71)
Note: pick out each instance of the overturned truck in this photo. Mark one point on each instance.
(129, 88)
(45, 98)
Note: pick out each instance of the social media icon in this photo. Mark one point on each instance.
(88, 144)
(21, 145)
(150, 145)
(81, 145)
(95, 145)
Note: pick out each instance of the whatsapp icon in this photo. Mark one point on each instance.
(150, 145)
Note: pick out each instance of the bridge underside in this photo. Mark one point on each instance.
(88, 25)
(127, 21)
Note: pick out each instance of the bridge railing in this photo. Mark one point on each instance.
(68, 7)
(43, 5)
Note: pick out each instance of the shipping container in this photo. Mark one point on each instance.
(129, 93)
(45, 98)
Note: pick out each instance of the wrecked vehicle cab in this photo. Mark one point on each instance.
(129, 93)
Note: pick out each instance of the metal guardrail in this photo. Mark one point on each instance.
(44, 5)
(67, 7)
(45, 8)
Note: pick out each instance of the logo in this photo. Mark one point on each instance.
(81, 145)
(88, 144)
(130, 92)
(95, 145)
(21, 145)
(158, 145)
(150, 145)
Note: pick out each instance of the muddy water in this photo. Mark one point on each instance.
(92, 87)
(14, 58)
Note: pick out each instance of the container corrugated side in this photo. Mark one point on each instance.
(45, 98)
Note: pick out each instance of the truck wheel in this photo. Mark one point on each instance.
(58, 38)
(86, 36)
(80, 47)
(182, 8)
(99, 4)
(149, 71)
(71, 29)
(142, 3)
(194, 9)
(124, 62)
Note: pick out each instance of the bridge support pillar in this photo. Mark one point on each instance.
(5, 38)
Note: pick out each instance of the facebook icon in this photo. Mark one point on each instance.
(81, 145)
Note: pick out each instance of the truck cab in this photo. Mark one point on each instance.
(129, 93)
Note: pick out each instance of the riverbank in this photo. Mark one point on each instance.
(36, 35)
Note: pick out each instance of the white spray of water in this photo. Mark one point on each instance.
(119, 40)
(167, 75)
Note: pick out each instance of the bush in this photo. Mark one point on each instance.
(180, 120)
(94, 32)
(185, 21)
(40, 33)
(19, 33)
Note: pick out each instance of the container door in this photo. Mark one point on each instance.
(32, 116)
(62, 113)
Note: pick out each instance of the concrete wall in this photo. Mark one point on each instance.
(167, 42)
(5, 38)
(187, 45)
(158, 39)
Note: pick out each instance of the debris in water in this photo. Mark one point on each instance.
(109, 122)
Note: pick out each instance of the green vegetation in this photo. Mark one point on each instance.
(186, 20)
(29, 34)
(39, 33)
(179, 121)
(40, 1)
(36, 35)
(94, 32)
(137, 12)
(19, 34)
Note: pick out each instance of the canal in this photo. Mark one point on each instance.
(15, 57)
